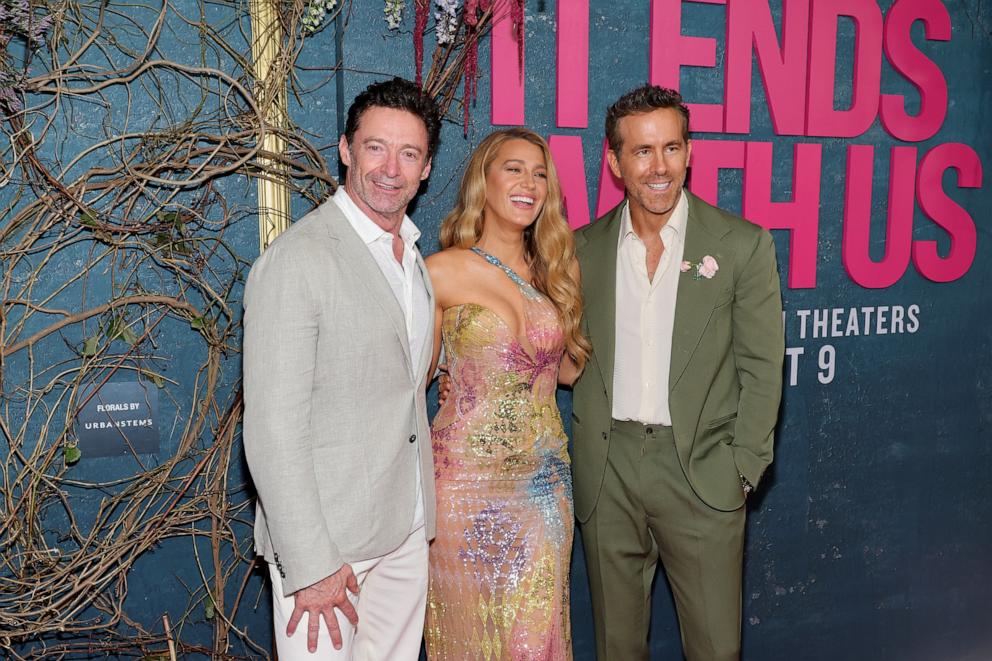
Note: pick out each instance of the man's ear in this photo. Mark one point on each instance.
(688, 150)
(614, 162)
(427, 170)
(344, 151)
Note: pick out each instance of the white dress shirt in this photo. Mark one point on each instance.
(407, 284)
(645, 317)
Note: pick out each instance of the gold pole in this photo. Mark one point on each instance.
(270, 90)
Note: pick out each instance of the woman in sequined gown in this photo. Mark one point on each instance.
(508, 313)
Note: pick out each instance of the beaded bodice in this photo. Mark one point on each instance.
(502, 404)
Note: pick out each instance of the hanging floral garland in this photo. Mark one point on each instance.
(456, 26)
(394, 13)
(313, 17)
(28, 21)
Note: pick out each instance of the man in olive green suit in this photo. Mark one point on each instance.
(674, 415)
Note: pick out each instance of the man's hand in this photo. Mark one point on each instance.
(320, 600)
(443, 385)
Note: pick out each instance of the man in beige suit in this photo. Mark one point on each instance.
(674, 415)
(337, 326)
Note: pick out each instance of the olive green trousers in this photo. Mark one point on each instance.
(647, 512)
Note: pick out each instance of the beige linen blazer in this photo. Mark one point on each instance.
(335, 413)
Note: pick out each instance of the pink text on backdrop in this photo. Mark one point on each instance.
(670, 49)
(906, 181)
(898, 236)
(572, 104)
(506, 70)
(566, 151)
(945, 212)
(917, 68)
(798, 77)
(800, 215)
(781, 67)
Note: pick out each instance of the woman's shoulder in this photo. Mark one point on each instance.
(448, 259)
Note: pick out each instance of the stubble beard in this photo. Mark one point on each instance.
(391, 208)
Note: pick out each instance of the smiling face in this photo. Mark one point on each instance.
(387, 159)
(652, 162)
(516, 183)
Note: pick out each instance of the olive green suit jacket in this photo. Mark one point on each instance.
(726, 357)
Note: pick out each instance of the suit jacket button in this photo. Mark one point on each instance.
(604, 435)
(413, 438)
(283, 574)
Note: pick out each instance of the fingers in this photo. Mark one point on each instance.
(346, 607)
(443, 388)
(320, 600)
(294, 620)
(330, 619)
(313, 630)
(353, 584)
(333, 629)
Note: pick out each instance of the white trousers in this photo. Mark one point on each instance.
(390, 606)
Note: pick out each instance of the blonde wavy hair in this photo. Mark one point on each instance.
(548, 242)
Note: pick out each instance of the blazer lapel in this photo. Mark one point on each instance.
(428, 349)
(696, 297)
(599, 277)
(353, 250)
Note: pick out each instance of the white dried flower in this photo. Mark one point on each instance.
(313, 18)
(447, 20)
(394, 13)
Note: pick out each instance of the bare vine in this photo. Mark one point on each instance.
(127, 158)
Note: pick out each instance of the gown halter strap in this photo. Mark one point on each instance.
(500, 265)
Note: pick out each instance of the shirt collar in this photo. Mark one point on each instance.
(367, 230)
(677, 221)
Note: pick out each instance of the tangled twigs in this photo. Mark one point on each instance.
(131, 136)
(125, 161)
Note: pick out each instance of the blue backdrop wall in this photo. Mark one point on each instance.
(871, 537)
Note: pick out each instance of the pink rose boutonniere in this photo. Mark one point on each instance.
(705, 268)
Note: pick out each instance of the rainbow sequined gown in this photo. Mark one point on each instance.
(499, 566)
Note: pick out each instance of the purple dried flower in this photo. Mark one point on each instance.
(40, 27)
(22, 20)
(9, 100)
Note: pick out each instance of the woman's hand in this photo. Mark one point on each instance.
(568, 371)
(443, 385)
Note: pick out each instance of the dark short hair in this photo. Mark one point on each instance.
(399, 94)
(644, 99)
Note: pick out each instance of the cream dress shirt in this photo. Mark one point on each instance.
(645, 317)
(407, 284)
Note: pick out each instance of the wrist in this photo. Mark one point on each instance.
(746, 485)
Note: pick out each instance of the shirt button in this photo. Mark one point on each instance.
(413, 438)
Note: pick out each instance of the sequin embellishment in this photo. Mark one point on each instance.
(499, 566)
